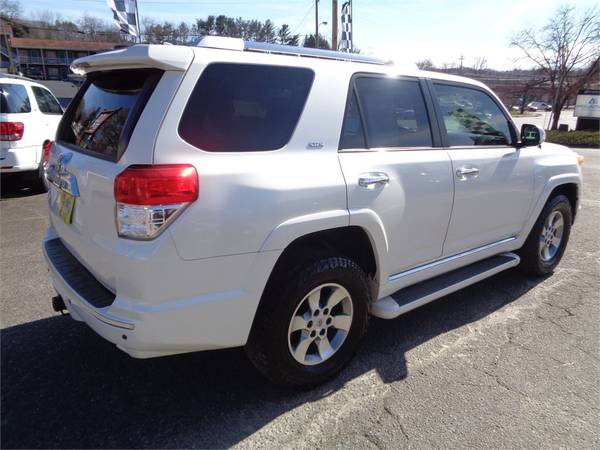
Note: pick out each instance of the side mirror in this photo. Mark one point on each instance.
(532, 135)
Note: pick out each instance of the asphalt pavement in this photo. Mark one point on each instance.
(543, 118)
(511, 362)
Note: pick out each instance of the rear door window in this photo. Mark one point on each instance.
(471, 117)
(102, 117)
(245, 107)
(14, 99)
(394, 111)
(46, 101)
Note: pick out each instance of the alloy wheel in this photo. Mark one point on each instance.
(320, 324)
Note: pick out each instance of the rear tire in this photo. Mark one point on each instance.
(309, 326)
(548, 238)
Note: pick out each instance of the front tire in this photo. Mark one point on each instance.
(309, 326)
(548, 238)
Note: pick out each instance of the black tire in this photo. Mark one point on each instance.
(532, 262)
(267, 345)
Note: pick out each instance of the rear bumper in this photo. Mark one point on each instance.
(145, 329)
(19, 159)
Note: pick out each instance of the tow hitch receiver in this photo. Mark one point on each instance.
(58, 304)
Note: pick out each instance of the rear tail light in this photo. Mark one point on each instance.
(11, 131)
(47, 147)
(149, 197)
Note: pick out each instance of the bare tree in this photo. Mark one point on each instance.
(480, 64)
(562, 49)
(10, 9)
(425, 64)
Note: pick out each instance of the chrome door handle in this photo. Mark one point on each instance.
(466, 171)
(372, 179)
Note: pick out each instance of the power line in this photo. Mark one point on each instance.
(310, 7)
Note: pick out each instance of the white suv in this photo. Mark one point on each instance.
(29, 117)
(272, 197)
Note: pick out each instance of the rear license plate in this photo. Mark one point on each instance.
(65, 204)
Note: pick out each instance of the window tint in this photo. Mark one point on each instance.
(353, 135)
(394, 112)
(14, 99)
(46, 101)
(111, 99)
(243, 107)
(471, 117)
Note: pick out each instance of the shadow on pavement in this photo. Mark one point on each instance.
(65, 387)
(14, 185)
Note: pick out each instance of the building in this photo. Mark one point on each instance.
(44, 59)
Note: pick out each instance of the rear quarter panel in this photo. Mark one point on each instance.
(246, 197)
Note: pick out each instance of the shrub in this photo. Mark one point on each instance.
(574, 138)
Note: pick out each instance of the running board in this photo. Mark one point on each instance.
(412, 297)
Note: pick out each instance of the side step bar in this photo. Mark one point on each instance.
(412, 297)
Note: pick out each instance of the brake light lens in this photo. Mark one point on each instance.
(149, 197)
(47, 148)
(11, 131)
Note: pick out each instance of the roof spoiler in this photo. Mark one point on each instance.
(165, 57)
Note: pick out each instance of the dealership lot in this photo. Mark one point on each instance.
(509, 362)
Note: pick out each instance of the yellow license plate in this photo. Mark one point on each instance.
(66, 203)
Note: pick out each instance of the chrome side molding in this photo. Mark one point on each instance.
(442, 261)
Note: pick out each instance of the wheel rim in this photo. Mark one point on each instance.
(551, 236)
(320, 324)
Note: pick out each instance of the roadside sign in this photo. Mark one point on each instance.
(588, 105)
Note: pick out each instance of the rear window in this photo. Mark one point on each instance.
(245, 107)
(46, 101)
(101, 118)
(394, 111)
(14, 99)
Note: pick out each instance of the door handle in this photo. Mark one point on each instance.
(466, 171)
(372, 179)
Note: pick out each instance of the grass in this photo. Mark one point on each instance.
(574, 138)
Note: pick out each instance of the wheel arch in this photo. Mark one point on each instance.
(566, 184)
(569, 190)
(350, 241)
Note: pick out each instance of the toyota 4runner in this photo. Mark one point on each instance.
(272, 197)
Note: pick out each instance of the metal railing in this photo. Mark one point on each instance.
(39, 60)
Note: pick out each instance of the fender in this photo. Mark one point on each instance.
(551, 184)
(369, 220)
(290, 230)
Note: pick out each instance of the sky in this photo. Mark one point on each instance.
(413, 30)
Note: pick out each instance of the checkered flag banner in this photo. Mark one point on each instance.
(346, 39)
(125, 15)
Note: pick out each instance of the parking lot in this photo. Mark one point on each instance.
(510, 362)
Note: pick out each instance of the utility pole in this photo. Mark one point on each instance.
(462, 58)
(334, 25)
(137, 20)
(316, 23)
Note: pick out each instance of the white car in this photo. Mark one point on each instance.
(272, 197)
(539, 106)
(29, 117)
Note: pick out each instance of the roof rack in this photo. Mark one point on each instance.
(311, 53)
(237, 44)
